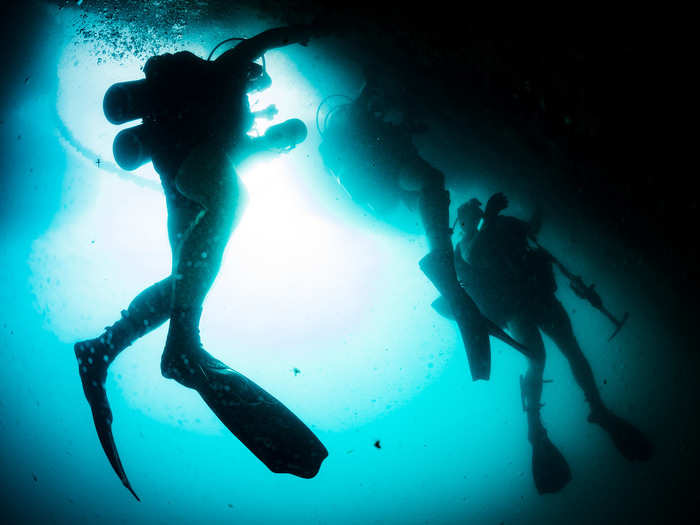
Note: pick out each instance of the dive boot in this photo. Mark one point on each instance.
(628, 439)
(262, 423)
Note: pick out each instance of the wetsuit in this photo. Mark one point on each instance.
(502, 272)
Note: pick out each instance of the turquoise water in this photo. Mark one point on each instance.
(322, 305)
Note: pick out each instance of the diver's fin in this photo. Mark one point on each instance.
(627, 438)
(475, 336)
(438, 266)
(263, 424)
(93, 387)
(441, 306)
(550, 470)
(103, 425)
(499, 333)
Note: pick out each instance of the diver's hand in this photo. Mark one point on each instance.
(496, 204)
(268, 113)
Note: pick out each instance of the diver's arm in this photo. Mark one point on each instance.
(535, 223)
(253, 48)
(251, 147)
(259, 148)
(268, 113)
(269, 145)
(495, 205)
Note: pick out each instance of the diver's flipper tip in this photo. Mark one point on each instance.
(628, 439)
(308, 471)
(128, 486)
(619, 326)
(320, 457)
(103, 425)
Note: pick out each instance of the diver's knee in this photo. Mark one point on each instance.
(537, 361)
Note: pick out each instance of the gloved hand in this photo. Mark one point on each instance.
(496, 204)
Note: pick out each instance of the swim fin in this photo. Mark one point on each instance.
(441, 306)
(627, 438)
(438, 266)
(262, 423)
(550, 470)
(93, 375)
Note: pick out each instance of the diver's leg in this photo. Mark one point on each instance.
(631, 443)
(263, 424)
(438, 265)
(208, 179)
(148, 310)
(549, 468)
(557, 325)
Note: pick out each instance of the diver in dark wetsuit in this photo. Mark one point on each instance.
(195, 118)
(375, 160)
(514, 285)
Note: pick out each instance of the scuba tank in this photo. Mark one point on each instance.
(127, 101)
(171, 85)
(286, 135)
(131, 148)
(123, 102)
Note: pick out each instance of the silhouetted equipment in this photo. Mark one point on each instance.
(587, 293)
(286, 135)
(217, 46)
(126, 101)
(166, 98)
(322, 128)
(131, 148)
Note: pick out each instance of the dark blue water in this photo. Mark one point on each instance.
(318, 302)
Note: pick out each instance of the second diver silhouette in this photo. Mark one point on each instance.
(376, 162)
(514, 285)
(195, 117)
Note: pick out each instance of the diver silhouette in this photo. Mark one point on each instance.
(367, 145)
(195, 117)
(514, 285)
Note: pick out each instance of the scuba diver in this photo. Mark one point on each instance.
(367, 145)
(513, 283)
(195, 120)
